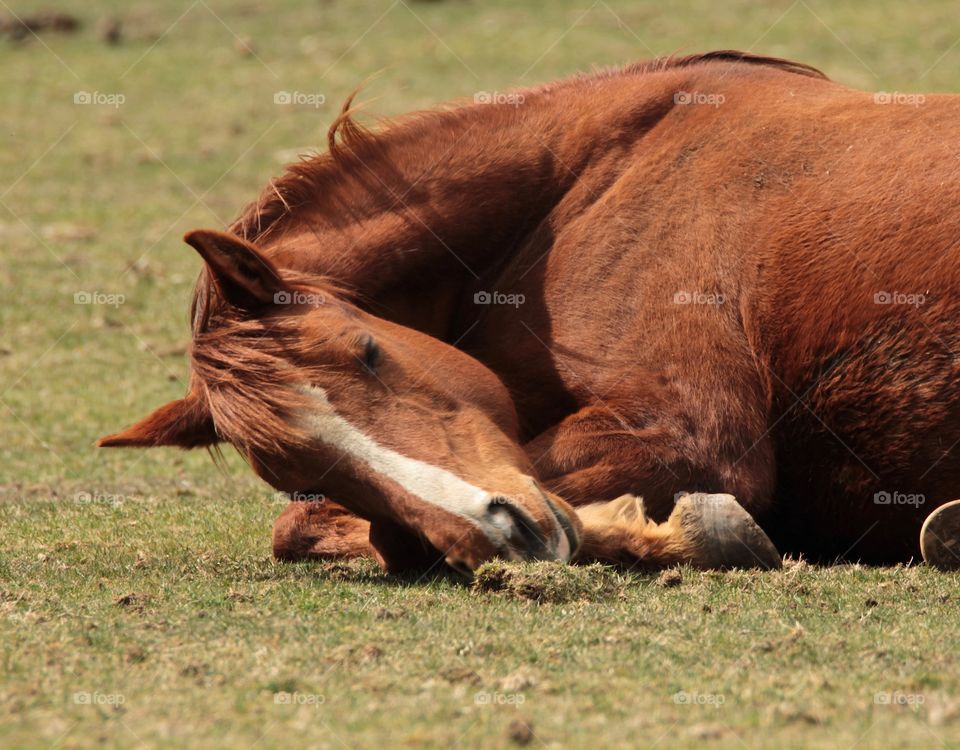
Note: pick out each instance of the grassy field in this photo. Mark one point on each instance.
(139, 604)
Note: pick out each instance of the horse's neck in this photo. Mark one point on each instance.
(444, 203)
(452, 193)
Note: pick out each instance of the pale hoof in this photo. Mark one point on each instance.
(940, 537)
(719, 533)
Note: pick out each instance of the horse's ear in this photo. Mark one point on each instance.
(184, 423)
(244, 276)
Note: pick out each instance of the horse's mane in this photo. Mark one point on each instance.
(348, 141)
(723, 55)
(246, 369)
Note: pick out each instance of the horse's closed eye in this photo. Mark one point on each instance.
(370, 353)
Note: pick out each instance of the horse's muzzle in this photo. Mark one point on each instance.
(524, 538)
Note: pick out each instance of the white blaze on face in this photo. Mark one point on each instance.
(430, 483)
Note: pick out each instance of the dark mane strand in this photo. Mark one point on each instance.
(345, 134)
(729, 56)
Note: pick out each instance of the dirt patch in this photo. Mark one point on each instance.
(386, 613)
(547, 582)
(455, 674)
(668, 579)
(110, 30)
(21, 27)
(520, 731)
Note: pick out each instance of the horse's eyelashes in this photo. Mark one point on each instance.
(370, 353)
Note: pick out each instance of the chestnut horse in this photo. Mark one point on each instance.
(722, 273)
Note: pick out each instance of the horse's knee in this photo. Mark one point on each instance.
(588, 456)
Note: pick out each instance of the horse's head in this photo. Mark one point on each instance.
(322, 397)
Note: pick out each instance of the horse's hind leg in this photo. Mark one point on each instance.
(705, 531)
(318, 531)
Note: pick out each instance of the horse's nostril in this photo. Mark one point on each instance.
(570, 541)
(524, 535)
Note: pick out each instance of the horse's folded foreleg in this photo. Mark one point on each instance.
(328, 531)
(704, 530)
(318, 531)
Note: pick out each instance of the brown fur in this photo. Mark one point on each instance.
(320, 531)
(619, 532)
(599, 199)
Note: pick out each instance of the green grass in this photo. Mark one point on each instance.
(147, 575)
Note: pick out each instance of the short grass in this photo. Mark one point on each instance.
(139, 602)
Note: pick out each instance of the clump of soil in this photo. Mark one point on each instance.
(547, 582)
(454, 674)
(110, 30)
(520, 731)
(132, 599)
(670, 578)
(132, 602)
(385, 613)
(20, 27)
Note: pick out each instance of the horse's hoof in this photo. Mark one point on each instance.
(940, 537)
(720, 534)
